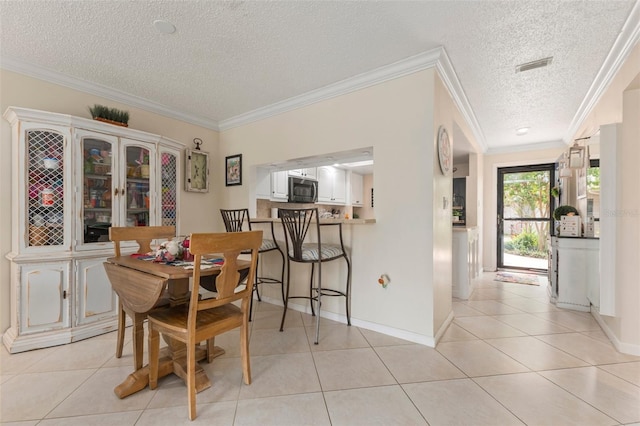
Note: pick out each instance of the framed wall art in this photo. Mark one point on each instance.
(233, 170)
(197, 171)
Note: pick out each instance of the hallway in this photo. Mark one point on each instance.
(509, 358)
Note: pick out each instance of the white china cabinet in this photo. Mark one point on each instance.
(73, 178)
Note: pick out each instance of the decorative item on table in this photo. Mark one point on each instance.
(176, 249)
(569, 219)
(109, 115)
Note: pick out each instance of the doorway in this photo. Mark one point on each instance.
(525, 206)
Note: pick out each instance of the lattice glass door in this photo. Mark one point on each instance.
(169, 188)
(45, 176)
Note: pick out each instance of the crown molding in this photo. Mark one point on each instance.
(625, 43)
(450, 79)
(41, 73)
(379, 75)
(535, 146)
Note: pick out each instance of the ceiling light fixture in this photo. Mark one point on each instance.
(534, 64)
(165, 27)
(522, 131)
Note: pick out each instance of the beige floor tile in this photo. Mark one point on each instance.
(492, 307)
(598, 335)
(535, 354)
(378, 339)
(385, 405)
(286, 374)
(487, 327)
(336, 337)
(458, 402)
(492, 294)
(477, 358)
(351, 368)
(95, 396)
(273, 341)
(456, 333)
(536, 401)
(88, 353)
(27, 423)
(576, 321)
(629, 371)
(31, 396)
(417, 363)
(587, 349)
(225, 375)
(270, 319)
(219, 413)
(610, 394)
(462, 309)
(302, 409)
(310, 320)
(531, 324)
(530, 305)
(20, 362)
(125, 418)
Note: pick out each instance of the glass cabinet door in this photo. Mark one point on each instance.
(45, 177)
(99, 195)
(138, 186)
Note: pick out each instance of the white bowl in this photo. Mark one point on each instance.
(51, 163)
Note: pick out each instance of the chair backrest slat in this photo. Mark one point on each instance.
(234, 219)
(143, 235)
(229, 245)
(297, 223)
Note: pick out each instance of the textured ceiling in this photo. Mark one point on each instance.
(229, 58)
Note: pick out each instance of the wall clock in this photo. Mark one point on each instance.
(444, 150)
(197, 170)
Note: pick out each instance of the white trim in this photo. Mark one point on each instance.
(41, 73)
(627, 39)
(625, 348)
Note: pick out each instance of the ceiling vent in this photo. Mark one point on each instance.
(535, 64)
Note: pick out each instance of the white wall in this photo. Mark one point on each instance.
(23, 91)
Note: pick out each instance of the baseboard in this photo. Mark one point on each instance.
(625, 348)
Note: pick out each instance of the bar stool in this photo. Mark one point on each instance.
(297, 223)
(234, 220)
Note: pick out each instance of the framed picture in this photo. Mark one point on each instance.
(233, 170)
(197, 171)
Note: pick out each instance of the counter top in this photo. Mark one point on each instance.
(344, 221)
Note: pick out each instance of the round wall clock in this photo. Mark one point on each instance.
(444, 150)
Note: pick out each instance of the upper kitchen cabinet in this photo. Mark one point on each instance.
(75, 178)
(280, 186)
(310, 172)
(357, 190)
(332, 185)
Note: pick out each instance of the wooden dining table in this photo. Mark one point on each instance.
(173, 357)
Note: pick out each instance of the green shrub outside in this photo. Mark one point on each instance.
(524, 244)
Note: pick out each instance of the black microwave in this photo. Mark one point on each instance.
(302, 190)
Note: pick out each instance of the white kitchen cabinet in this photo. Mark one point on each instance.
(280, 186)
(573, 269)
(263, 183)
(332, 185)
(357, 189)
(310, 172)
(73, 179)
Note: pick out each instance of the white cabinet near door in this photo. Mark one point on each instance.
(357, 189)
(332, 185)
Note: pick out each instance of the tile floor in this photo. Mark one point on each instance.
(509, 357)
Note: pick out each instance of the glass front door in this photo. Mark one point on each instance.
(525, 205)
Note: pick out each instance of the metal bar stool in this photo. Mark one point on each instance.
(234, 220)
(297, 223)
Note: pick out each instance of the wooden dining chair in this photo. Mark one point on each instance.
(297, 223)
(234, 221)
(203, 319)
(143, 235)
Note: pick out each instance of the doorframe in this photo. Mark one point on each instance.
(551, 167)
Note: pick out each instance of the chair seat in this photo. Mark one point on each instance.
(175, 319)
(328, 251)
(266, 246)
